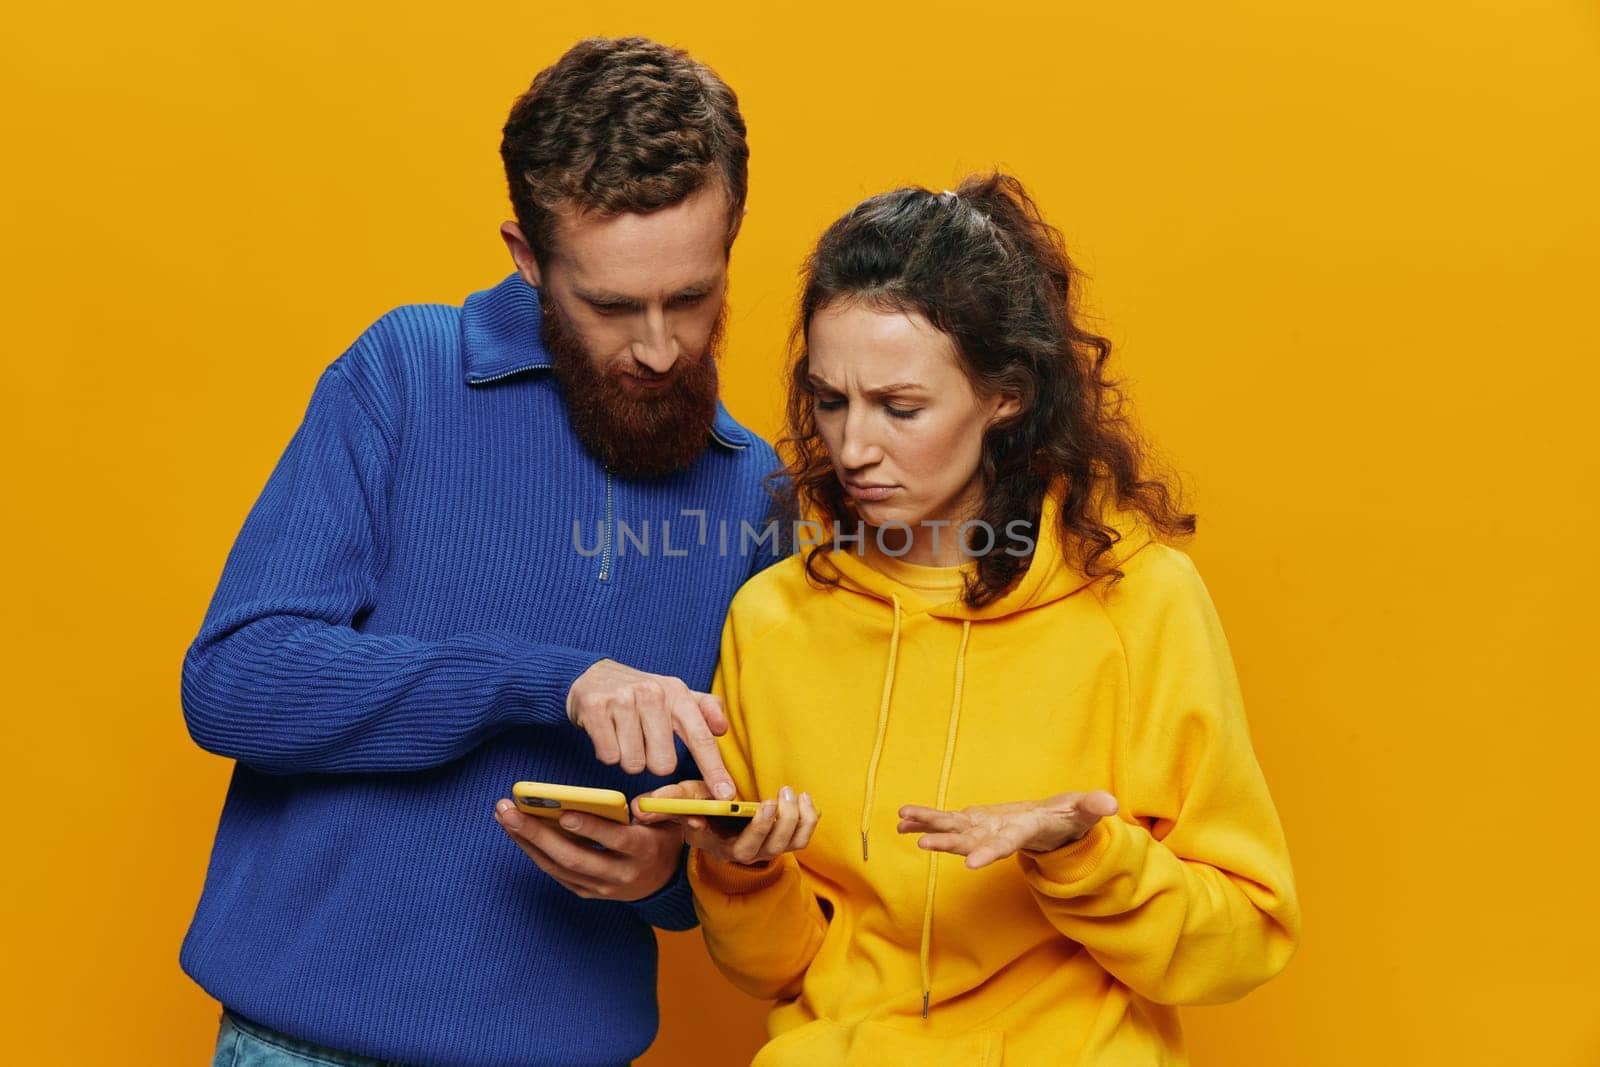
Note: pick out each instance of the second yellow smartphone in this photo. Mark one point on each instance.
(548, 800)
(738, 809)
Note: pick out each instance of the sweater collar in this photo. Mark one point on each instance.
(500, 337)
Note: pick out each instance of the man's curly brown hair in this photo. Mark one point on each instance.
(621, 125)
(984, 267)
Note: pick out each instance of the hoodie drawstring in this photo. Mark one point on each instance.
(883, 727)
(925, 952)
(944, 781)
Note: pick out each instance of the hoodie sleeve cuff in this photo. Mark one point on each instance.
(734, 879)
(1057, 873)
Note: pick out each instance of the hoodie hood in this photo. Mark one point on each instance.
(1049, 576)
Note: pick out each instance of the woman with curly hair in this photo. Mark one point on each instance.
(993, 671)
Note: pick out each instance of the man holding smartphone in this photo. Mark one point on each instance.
(443, 589)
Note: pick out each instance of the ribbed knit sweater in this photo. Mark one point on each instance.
(432, 563)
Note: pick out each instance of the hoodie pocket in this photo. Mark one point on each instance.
(877, 1044)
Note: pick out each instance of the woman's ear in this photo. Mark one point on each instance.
(1006, 405)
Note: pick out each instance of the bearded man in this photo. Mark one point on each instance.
(429, 602)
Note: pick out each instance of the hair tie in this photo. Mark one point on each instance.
(950, 197)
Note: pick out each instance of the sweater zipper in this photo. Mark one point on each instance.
(605, 550)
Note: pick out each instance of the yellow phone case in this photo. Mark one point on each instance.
(740, 809)
(548, 800)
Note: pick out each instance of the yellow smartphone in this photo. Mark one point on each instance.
(738, 809)
(548, 800)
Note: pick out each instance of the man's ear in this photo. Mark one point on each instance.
(521, 253)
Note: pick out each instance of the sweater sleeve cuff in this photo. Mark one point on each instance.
(541, 679)
(1058, 872)
(735, 879)
(672, 906)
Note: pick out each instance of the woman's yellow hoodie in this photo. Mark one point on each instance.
(888, 690)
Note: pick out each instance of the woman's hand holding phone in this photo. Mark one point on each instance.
(782, 825)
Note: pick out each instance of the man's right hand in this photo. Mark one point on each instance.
(631, 718)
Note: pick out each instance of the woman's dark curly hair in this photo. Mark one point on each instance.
(984, 267)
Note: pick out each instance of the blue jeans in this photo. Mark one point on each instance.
(242, 1043)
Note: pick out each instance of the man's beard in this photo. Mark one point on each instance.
(635, 435)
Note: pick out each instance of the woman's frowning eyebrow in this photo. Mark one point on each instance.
(875, 392)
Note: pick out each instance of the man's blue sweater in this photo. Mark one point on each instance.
(433, 562)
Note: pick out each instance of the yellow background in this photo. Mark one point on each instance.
(1348, 252)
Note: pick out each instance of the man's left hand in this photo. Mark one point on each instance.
(636, 862)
